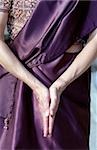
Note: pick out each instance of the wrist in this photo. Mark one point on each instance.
(60, 84)
(67, 77)
(33, 82)
(63, 82)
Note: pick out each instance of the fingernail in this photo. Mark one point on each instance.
(50, 135)
(44, 135)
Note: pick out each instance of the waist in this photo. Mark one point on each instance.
(74, 49)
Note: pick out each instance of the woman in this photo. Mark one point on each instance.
(44, 104)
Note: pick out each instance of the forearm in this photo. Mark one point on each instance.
(81, 63)
(10, 62)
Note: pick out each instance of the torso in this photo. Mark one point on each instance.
(19, 13)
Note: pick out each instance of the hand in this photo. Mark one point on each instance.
(56, 90)
(48, 100)
(41, 93)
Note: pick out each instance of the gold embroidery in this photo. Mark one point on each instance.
(5, 4)
(19, 13)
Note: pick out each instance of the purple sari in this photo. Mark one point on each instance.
(41, 46)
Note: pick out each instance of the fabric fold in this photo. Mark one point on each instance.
(41, 47)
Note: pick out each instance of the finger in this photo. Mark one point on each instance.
(53, 109)
(46, 125)
(45, 116)
(51, 124)
(53, 105)
(45, 120)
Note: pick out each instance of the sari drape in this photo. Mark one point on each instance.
(41, 46)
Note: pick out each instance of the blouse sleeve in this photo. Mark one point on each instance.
(5, 5)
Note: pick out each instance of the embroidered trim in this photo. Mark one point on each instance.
(19, 13)
(9, 115)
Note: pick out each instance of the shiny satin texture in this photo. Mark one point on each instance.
(41, 47)
(57, 27)
(72, 119)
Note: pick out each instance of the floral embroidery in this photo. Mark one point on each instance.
(5, 5)
(19, 12)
